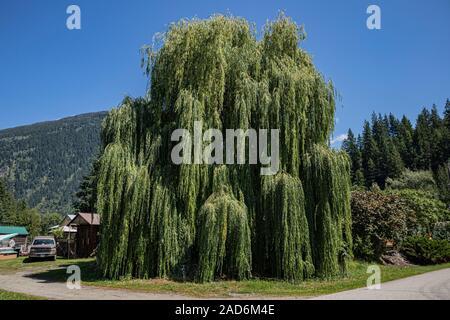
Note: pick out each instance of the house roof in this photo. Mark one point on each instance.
(86, 219)
(22, 231)
(8, 236)
(67, 219)
(64, 229)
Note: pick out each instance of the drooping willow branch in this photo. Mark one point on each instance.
(211, 221)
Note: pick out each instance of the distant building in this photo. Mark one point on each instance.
(87, 236)
(66, 242)
(67, 219)
(20, 239)
(69, 232)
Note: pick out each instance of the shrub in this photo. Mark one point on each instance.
(418, 180)
(377, 217)
(425, 250)
(441, 231)
(428, 210)
(363, 248)
(442, 178)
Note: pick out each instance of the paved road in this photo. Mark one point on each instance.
(428, 286)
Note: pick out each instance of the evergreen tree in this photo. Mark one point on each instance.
(423, 135)
(405, 143)
(442, 178)
(350, 145)
(388, 146)
(394, 163)
(87, 194)
(13, 212)
(394, 126)
(437, 139)
(369, 154)
(380, 135)
(359, 174)
(8, 206)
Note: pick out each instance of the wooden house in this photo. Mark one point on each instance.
(87, 236)
(65, 237)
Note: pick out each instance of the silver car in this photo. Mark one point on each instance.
(43, 247)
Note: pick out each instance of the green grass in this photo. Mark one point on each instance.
(24, 264)
(357, 277)
(6, 295)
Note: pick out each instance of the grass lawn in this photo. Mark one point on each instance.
(357, 277)
(6, 295)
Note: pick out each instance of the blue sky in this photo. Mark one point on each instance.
(49, 72)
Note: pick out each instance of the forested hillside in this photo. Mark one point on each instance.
(44, 163)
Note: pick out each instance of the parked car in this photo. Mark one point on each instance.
(43, 247)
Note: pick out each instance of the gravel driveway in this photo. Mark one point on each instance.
(25, 283)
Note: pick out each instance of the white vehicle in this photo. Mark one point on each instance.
(43, 247)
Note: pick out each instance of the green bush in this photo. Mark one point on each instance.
(363, 248)
(417, 180)
(427, 209)
(425, 250)
(376, 218)
(441, 231)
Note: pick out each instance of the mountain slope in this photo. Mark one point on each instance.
(44, 163)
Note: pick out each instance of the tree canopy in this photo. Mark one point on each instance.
(388, 145)
(210, 221)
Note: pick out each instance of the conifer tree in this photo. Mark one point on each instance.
(87, 194)
(369, 154)
(7, 205)
(350, 145)
(422, 140)
(405, 143)
(389, 145)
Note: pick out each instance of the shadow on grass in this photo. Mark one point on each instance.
(88, 269)
(31, 260)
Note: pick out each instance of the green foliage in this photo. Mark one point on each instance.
(13, 212)
(327, 191)
(8, 205)
(442, 177)
(350, 145)
(425, 250)
(44, 163)
(58, 233)
(388, 145)
(377, 217)
(86, 200)
(441, 231)
(426, 209)
(224, 238)
(418, 180)
(286, 239)
(49, 220)
(161, 219)
(30, 219)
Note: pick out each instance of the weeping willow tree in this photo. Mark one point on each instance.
(214, 221)
(327, 196)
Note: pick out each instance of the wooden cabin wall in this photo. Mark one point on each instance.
(86, 240)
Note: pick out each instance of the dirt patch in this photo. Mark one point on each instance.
(394, 258)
